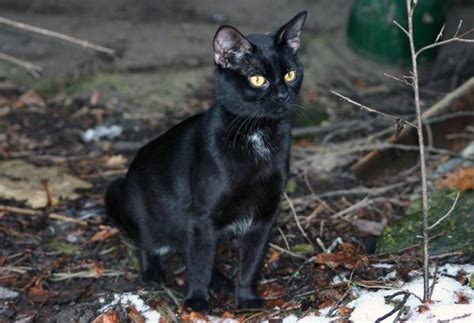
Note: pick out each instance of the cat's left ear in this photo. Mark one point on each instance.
(230, 46)
(289, 33)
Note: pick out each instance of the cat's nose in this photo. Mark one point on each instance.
(281, 95)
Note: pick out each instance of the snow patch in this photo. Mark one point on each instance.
(99, 132)
(127, 299)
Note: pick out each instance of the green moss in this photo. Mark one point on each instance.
(302, 249)
(63, 247)
(456, 233)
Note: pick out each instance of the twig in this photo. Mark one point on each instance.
(435, 280)
(55, 34)
(295, 216)
(33, 69)
(291, 253)
(52, 216)
(447, 214)
(362, 203)
(339, 301)
(397, 308)
(421, 144)
(371, 110)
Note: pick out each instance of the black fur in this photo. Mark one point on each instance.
(218, 173)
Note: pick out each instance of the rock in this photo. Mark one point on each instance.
(7, 294)
(455, 233)
(21, 181)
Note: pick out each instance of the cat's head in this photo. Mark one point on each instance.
(259, 75)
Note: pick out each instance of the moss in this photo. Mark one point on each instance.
(302, 249)
(456, 233)
(63, 247)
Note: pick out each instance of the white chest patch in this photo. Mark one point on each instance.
(240, 227)
(258, 143)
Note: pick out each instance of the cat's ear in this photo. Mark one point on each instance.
(230, 46)
(289, 33)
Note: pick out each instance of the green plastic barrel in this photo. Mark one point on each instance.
(372, 33)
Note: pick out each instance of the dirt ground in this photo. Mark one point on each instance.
(67, 260)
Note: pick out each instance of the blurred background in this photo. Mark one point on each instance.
(72, 118)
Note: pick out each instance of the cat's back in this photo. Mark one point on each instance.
(174, 149)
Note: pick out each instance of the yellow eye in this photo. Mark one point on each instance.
(290, 76)
(257, 80)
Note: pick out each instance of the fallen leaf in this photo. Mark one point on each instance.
(116, 161)
(461, 179)
(104, 234)
(95, 98)
(3, 259)
(462, 298)
(98, 269)
(134, 315)
(193, 317)
(347, 256)
(423, 309)
(344, 310)
(227, 315)
(37, 293)
(109, 317)
(274, 256)
(29, 98)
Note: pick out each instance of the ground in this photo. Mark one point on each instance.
(66, 259)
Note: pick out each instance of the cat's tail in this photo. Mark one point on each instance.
(115, 208)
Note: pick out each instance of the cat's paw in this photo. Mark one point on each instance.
(251, 303)
(196, 304)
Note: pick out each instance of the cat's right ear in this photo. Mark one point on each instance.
(230, 46)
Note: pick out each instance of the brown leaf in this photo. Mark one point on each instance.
(192, 317)
(109, 317)
(423, 309)
(29, 98)
(463, 298)
(104, 234)
(274, 256)
(344, 310)
(461, 179)
(3, 260)
(347, 257)
(227, 315)
(95, 98)
(134, 315)
(98, 269)
(37, 294)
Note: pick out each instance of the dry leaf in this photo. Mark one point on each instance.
(95, 98)
(134, 315)
(461, 179)
(29, 98)
(463, 298)
(109, 317)
(347, 257)
(274, 256)
(423, 309)
(344, 310)
(104, 234)
(98, 269)
(37, 294)
(116, 161)
(193, 317)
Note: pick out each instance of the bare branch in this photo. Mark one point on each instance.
(401, 27)
(403, 80)
(444, 42)
(54, 34)
(371, 110)
(447, 214)
(33, 69)
(441, 33)
(298, 224)
(457, 29)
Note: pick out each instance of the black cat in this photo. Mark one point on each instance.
(221, 172)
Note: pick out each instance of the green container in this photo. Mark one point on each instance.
(372, 33)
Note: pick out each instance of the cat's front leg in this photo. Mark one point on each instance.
(252, 251)
(200, 251)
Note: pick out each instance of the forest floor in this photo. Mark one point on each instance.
(61, 258)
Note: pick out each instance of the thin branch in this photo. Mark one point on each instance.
(447, 41)
(55, 34)
(295, 216)
(401, 27)
(421, 144)
(447, 214)
(33, 69)
(440, 34)
(371, 110)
